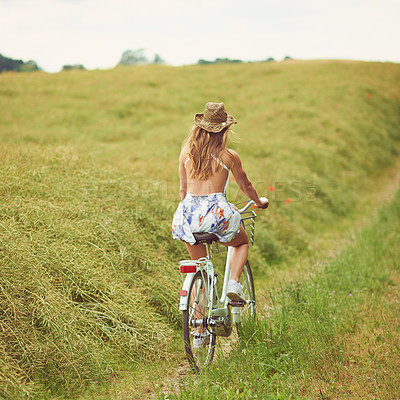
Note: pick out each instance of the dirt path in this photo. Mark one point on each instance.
(390, 190)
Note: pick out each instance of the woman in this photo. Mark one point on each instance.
(204, 167)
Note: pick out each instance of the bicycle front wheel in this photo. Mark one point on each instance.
(249, 310)
(199, 341)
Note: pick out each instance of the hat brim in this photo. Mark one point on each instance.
(214, 127)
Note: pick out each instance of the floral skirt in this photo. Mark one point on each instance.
(210, 213)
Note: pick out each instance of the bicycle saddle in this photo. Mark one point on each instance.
(205, 238)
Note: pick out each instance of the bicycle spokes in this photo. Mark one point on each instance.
(199, 341)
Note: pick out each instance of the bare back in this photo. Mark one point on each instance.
(215, 184)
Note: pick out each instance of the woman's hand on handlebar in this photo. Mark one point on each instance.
(264, 203)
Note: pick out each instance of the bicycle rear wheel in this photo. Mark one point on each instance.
(249, 310)
(199, 341)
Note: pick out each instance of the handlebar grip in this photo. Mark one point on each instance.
(265, 206)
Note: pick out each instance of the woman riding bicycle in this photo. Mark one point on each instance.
(204, 166)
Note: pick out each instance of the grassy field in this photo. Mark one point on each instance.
(334, 335)
(88, 186)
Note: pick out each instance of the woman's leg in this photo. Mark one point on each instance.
(240, 253)
(196, 251)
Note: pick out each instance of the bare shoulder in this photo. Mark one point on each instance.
(233, 157)
(232, 153)
(184, 154)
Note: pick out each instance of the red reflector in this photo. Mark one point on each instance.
(186, 269)
(183, 293)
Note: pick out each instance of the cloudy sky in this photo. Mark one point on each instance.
(95, 33)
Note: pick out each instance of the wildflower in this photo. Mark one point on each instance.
(287, 201)
(271, 188)
(350, 294)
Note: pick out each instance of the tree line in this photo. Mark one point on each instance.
(234, 61)
(129, 57)
(138, 57)
(9, 64)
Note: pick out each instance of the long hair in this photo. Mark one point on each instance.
(202, 146)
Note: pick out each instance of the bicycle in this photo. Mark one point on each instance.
(204, 313)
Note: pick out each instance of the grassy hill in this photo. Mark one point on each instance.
(88, 186)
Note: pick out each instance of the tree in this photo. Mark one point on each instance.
(220, 61)
(75, 66)
(202, 61)
(29, 66)
(9, 64)
(133, 57)
(158, 59)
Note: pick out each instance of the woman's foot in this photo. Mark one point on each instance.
(235, 291)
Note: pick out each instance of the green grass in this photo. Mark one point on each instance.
(75, 270)
(334, 335)
(88, 185)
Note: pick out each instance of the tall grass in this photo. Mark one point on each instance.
(75, 269)
(88, 185)
(333, 335)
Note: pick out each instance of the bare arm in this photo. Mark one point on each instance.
(182, 174)
(243, 181)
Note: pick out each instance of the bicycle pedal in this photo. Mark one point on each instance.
(237, 303)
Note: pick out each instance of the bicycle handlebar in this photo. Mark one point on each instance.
(251, 202)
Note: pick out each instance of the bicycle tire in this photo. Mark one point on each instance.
(249, 310)
(197, 309)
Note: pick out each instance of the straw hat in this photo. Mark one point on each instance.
(215, 118)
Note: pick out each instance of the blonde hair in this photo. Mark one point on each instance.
(202, 147)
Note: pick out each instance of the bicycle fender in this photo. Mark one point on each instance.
(185, 289)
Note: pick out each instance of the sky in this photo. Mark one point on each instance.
(95, 33)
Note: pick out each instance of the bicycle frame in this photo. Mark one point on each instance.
(206, 265)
